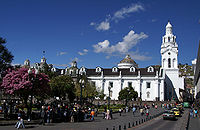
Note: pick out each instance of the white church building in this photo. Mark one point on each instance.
(153, 83)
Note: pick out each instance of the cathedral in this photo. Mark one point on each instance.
(153, 83)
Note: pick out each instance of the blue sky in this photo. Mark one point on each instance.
(98, 32)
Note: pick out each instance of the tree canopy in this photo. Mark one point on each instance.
(20, 83)
(89, 90)
(61, 86)
(127, 93)
(5, 56)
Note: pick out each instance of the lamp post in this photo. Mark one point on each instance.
(109, 89)
(81, 81)
(33, 80)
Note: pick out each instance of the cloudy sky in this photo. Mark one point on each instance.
(98, 32)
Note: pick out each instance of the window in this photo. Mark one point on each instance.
(148, 85)
(148, 94)
(98, 69)
(150, 69)
(114, 69)
(168, 39)
(93, 83)
(169, 63)
(164, 39)
(129, 84)
(132, 69)
(111, 84)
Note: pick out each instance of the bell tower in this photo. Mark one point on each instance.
(169, 49)
(169, 61)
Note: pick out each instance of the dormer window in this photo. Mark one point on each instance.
(62, 72)
(82, 70)
(98, 69)
(114, 69)
(132, 69)
(150, 69)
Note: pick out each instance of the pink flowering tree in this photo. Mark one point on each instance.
(20, 83)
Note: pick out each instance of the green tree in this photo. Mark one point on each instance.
(89, 90)
(5, 57)
(101, 95)
(128, 94)
(62, 86)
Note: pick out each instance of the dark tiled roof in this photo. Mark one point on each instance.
(124, 72)
(127, 72)
(92, 72)
(109, 72)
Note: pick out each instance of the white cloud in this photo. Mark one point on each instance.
(61, 53)
(92, 23)
(85, 51)
(123, 47)
(105, 25)
(122, 13)
(129, 41)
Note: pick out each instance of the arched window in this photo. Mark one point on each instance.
(174, 62)
(148, 94)
(169, 63)
(150, 69)
(98, 69)
(132, 69)
(163, 63)
(114, 69)
(164, 39)
(168, 39)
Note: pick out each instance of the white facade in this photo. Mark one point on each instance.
(169, 54)
(152, 83)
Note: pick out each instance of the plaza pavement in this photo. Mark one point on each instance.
(126, 120)
(194, 123)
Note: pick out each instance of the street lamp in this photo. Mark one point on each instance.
(109, 90)
(33, 80)
(81, 81)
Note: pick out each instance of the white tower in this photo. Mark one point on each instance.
(169, 54)
(169, 49)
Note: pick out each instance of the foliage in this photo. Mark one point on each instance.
(101, 95)
(18, 82)
(47, 70)
(5, 56)
(127, 93)
(185, 70)
(89, 90)
(62, 85)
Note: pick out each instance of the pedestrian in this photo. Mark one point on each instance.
(134, 109)
(147, 112)
(191, 113)
(126, 109)
(141, 111)
(120, 111)
(43, 115)
(92, 114)
(20, 122)
(108, 115)
(111, 114)
(195, 112)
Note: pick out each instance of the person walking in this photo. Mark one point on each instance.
(195, 112)
(43, 115)
(92, 114)
(134, 109)
(120, 111)
(108, 115)
(147, 112)
(20, 122)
